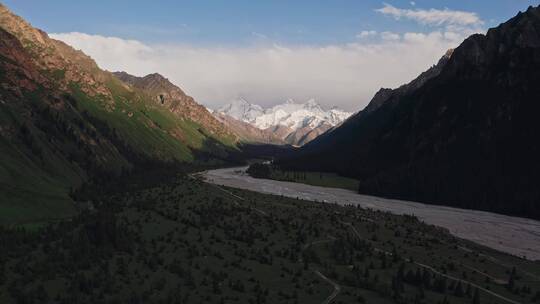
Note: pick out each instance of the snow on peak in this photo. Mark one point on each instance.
(242, 110)
(311, 103)
(290, 114)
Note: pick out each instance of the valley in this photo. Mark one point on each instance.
(120, 187)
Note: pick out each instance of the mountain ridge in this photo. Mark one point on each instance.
(296, 123)
(248, 133)
(465, 135)
(65, 122)
(165, 93)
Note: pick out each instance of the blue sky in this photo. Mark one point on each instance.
(339, 52)
(222, 22)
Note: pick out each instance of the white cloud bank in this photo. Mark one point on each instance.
(345, 75)
(433, 16)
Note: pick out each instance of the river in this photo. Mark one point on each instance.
(514, 235)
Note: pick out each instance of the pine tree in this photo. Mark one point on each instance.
(469, 290)
(401, 272)
(511, 283)
(458, 291)
(476, 297)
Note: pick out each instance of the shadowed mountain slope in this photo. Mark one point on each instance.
(465, 133)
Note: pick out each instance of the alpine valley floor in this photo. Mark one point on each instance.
(186, 241)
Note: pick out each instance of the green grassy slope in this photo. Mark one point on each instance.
(36, 176)
(147, 127)
(61, 126)
(28, 192)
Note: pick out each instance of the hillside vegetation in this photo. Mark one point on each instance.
(179, 240)
(64, 121)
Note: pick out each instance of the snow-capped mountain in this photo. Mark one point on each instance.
(242, 110)
(299, 118)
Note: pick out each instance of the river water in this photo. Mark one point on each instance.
(514, 235)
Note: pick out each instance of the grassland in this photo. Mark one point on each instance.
(31, 186)
(185, 241)
(27, 190)
(149, 129)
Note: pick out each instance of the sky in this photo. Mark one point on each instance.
(339, 52)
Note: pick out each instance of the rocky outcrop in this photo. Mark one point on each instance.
(280, 131)
(68, 65)
(164, 93)
(303, 136)
(248, 133)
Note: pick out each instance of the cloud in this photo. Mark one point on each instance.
(433, 17)
(346, 75)
(259, 35)
(366, 34)
(389, 36)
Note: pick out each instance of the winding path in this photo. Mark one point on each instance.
(337, 288)
(336, 291)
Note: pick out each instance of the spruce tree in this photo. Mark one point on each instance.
(476, 297)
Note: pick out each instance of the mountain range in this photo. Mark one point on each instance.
(464, 133)
(64, 122)
(291, 122)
